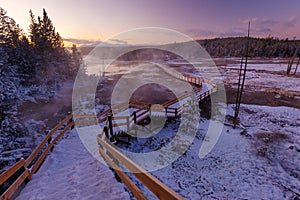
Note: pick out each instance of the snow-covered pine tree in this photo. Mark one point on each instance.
(75, 61)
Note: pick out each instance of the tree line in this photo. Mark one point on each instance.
(269, 47)
(30, 64)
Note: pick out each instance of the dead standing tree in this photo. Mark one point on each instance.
(241, 82)
(291, 62)
(297, 66)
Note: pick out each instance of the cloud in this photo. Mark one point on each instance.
(82, 42)
(234, 32)
(260, 21)
(292, 21)
(117, 41)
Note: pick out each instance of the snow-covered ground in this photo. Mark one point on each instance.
(70, 172)
(270, 77)
(235, 169)
(257, 160)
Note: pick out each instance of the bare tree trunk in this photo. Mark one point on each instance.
(290, 64)
(297, 66)
(237, 109)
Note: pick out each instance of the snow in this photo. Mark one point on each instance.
(269, 77)
(270, 67)
(233, 169)
(257, 160)
(70, 172)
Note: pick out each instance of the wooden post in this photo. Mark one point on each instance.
(166, 110)
(106, 132)
(176, 112)
(71, 120)
(134, 117)
(110, 125)
(49, 140)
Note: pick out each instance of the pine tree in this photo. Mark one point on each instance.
(10, 31)
(75, 60)
(33, 30)
(43, 34)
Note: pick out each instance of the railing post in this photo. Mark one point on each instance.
(166, 110)
(49, 140)
(106, 132)
(134, 117)
(110, 125)
(71, 120)
(176, 112)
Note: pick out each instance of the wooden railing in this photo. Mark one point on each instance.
(25, 168)
(31, 164)
(111, 155)
(115, 158)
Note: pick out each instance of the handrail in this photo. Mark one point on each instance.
(142, 108)
(11, 190)
(11, 171)
(24, 164)
(112, 154)
(40, 146)
(104, 112)
(152, 183)
(49, 147)
(131, 186)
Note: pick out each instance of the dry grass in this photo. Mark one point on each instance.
(268, 137)
(265, 142)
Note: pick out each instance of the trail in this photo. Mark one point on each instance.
(70, 172)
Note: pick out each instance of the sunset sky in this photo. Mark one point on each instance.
(84, 21)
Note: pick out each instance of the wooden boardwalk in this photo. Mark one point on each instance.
(122, 118)
(116, 120)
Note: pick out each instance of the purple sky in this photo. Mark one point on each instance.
(100, 19)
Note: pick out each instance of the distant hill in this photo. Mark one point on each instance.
(234, 47)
